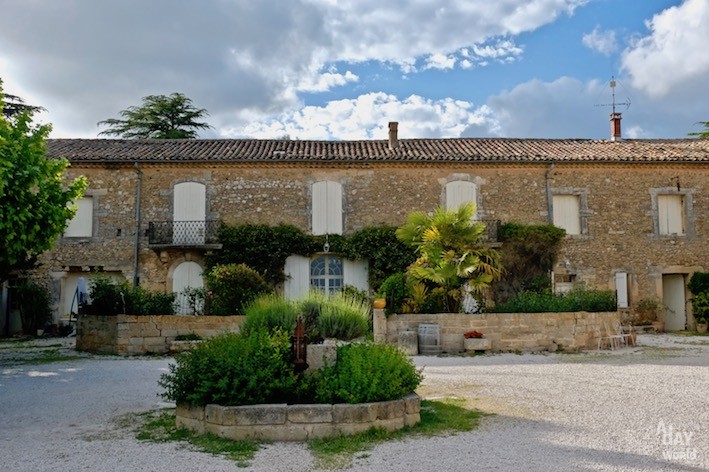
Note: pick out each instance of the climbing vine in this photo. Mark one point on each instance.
(265, 248)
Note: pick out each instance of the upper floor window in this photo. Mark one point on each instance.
(327, 207)
(673, 211)
(670, 214)
(81, 225)
(460, 192)
(567, 213)
(327, 274)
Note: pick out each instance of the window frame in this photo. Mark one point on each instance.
(327, 287)
(584, 212)
(687, 196)
(92, 195)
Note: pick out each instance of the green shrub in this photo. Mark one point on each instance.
(110, 297)
(528, 252)
(270, 312)
(699, 283)
(700, 307)
(343, 317)
(366, 372)
(339, 316)
(105, 296)
(232, 287)
(33, 302)
(547, 302)
(395, 290)
(233, 369)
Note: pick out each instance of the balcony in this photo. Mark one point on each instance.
(184, 234)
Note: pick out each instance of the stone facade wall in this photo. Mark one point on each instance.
(137, 335)
(283, 422)
(509, 331)
(619, 216)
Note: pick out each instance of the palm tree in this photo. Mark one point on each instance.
(450, 253)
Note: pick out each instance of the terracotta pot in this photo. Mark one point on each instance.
(659, 326)
(702, 328)
(379, 303)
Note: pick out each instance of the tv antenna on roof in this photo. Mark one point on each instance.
(613, 103)
(615, 116)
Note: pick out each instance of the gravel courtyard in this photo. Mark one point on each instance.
(638, 409)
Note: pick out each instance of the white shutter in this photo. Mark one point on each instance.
(297, 283)
(567, 213)
(460, 192)
(189, 213)
(621, 289)
(327, 208)
(670, 212)
(356, 273)
(82, 223)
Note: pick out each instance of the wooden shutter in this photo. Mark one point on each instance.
(670, 213)
(460, 192)
(567, 213)
(621, 289)
(297, 283)
(356, 273)
(327, 208)
(82, 223)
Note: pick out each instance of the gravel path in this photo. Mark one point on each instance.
(638, 409)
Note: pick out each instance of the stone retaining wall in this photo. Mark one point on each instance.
(281, 422)
(506, 331)
(136, 335)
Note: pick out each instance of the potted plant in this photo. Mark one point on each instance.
(648, 311)
(379, 301)
(700, 305)
(475, 341)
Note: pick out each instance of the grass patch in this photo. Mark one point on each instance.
(437, 418)
(20, 345)
(38, 357)
(159, 426)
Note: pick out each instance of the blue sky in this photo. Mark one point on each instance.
(341, 69)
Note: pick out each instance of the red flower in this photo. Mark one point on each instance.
(473, 334)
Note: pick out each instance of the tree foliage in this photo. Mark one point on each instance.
(450, 250)
(704, 134)
(34, 199)
(159, 117)
(15, 105)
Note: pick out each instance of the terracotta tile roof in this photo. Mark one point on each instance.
(409, 150)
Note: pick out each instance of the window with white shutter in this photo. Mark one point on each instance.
(327, 207)
(460, 192)
(567, 213)
(670, 214)
(81, 225)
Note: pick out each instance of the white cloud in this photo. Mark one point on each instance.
(440, 61)
(501, 49)
(325, 81)
(567, 108)
(675, 54)
(601, 41)
(366, 117)
(237, 58)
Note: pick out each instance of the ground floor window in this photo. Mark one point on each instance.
(326, 274)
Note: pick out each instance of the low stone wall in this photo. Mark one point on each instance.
(136, 335)
(506, 331)
(283, 422)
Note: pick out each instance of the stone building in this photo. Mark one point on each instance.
(636, 211)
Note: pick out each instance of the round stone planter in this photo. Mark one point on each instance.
(476, 344)
(702, 328)
(283, 422)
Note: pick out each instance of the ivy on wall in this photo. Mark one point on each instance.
(529, 252)
(265, 248)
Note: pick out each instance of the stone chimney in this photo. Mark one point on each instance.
(393, 134)
(615, 127)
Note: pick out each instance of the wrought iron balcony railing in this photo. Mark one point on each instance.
(184, 233)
